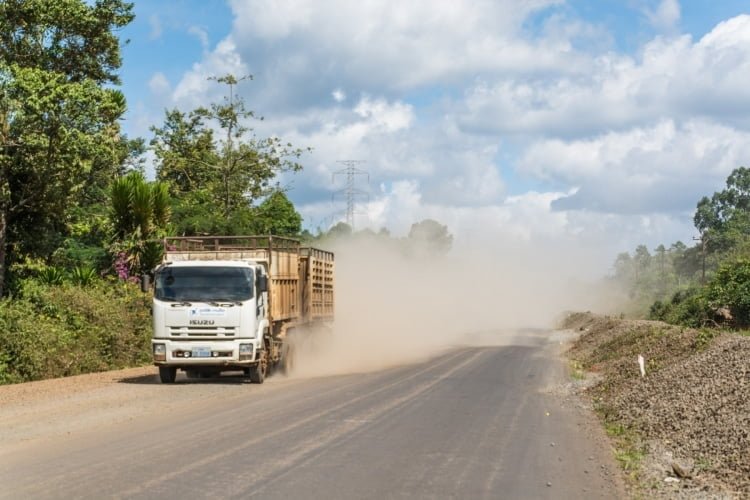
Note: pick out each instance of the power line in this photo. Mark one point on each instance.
(350, 191)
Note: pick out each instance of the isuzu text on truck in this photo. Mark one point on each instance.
(234, 303)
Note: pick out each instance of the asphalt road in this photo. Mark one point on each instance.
(474, 422)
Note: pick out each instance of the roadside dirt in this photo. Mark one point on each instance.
(64, 407)
(689, 414)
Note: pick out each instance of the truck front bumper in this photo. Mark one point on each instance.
(237, 353)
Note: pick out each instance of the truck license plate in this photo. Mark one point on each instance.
(201, 352)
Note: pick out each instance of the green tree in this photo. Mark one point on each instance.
(219, 174)
(339, 230)
(430, 236)
(58, 113)
(277, 216)
(624, 268)
(184, 147)
(730, 288)
(724, 219)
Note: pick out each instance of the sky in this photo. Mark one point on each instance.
(597, 123)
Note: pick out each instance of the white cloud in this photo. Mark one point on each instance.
(384, 116)
(159, 84)
(201, 35)
(195, 89)
(156, 28)
(674, 78)
(388, 46)
(338, 95)
(666, 16)
(658, 169)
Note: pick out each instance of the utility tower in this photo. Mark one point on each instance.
(350, 191)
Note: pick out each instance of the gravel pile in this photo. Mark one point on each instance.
(693, 402)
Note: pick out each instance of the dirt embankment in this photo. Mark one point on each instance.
(687, 421)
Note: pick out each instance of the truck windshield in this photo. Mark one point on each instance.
(203, 284)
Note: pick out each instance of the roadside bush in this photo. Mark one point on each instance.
(60, 330)
(730, 288)
(687, 307)
(728, 291)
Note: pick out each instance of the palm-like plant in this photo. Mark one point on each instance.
(82, 276)
(139, 213)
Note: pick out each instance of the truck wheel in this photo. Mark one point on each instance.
(258, 372)
(167, 374)
(287, 360)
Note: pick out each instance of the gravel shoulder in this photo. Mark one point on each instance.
(682, 429)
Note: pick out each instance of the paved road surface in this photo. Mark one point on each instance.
(477, 422)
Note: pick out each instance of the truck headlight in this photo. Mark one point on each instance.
(160, 352)
(246, 352)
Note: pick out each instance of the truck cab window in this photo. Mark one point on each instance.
(176, 283)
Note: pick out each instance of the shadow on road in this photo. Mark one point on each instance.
(183, 380)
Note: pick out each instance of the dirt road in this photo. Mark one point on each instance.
(474, 422)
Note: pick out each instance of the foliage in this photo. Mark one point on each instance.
(339, 230)
(724, 219)
(430, 237)
(184, 148)
(725, 299)
(687, 307)
(277, 216)
(71, 37)
(51, 276)
(139, 214)
(83, 276)
(217, 167)
(58, 115)
(730, 288)
(55, 331)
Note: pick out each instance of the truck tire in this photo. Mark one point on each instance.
(257, 373)
(287, 360)
(167, 374)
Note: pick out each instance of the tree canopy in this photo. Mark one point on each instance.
(216, 165)
(429, 236)
(58, 115)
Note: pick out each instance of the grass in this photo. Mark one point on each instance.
(576, 370)
(704, 337)
(627, 446)
(703, 463)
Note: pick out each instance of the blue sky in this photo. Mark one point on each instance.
(596, 122)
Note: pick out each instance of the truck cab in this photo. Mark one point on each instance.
(209, 316)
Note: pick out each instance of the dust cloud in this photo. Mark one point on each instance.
(393, 308)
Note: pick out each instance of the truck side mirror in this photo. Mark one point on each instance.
(262, 283)
(145, 283)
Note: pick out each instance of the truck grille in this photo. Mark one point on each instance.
(201, 331)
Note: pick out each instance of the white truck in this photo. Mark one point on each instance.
(234, 303)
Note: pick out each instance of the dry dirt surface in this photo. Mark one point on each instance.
(691, 410)
(47, 409)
